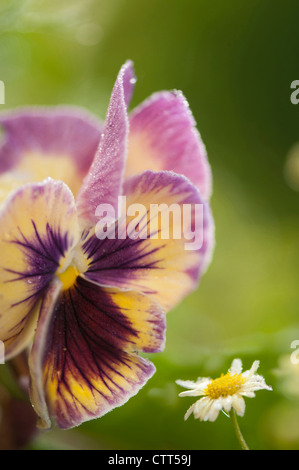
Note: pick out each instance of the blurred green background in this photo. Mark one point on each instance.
(234, 60)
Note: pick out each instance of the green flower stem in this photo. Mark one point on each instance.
(237, 430)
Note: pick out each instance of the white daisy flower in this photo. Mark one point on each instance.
(224, 393)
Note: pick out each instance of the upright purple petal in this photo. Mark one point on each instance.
(129, 82)
(163, 136)
(104, 181)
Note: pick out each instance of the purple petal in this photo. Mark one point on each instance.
(38, 230)
(83, 361)
(104, 181)
(163, 136)
(153, 262)
(43, 142)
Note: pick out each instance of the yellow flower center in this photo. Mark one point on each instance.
(224, 386)
(68, 277)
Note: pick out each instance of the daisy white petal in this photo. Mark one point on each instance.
(189, 411)
(213, 412)
(197, 389)
(252, 370)
(202, 409)
(187, 383)
(248, 394)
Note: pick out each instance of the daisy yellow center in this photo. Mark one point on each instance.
(68, 277)
(224, 386)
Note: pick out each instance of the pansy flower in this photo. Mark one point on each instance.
(86, 306)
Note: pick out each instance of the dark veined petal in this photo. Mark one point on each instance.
(84, 360)
(38, 229)
(163, 136)
(156, 255)
(103, 183)
(47, 142)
